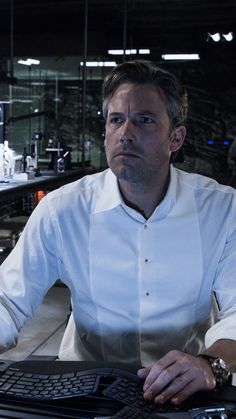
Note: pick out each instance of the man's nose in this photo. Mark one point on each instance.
(127, 131)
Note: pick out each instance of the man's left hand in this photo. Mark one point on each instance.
(175, 377)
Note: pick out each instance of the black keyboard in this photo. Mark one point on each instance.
(130, 392)
(16, 383)
(111, 390)
(27, 381)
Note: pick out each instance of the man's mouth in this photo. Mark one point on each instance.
(127, 154)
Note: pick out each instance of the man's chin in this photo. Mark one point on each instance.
(127, 174)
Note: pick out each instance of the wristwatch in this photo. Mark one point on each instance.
(219, 368)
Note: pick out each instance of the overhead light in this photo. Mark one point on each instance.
(122, 52)
(29, 61)
(228, 36)
(180, 57)
(99, 63)
(214, 36)
(128, 51)
(144, 51)
(116, 51)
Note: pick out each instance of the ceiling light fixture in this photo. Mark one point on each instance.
(182, 57)
(29, 61)
(121, 51)
(144, 51)
(228, 36)
(99, 63)
(216, 37)
(129, 51)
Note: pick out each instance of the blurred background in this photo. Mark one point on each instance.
(47, 93)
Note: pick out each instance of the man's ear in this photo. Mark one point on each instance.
(177, 138)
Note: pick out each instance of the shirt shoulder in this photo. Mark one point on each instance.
(202, 183)
(83, 189)
(208, 195)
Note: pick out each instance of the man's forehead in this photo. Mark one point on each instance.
(143, 96)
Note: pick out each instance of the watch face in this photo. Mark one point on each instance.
(220, 370)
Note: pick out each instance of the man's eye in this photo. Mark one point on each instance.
(116, 120)
(145, 120)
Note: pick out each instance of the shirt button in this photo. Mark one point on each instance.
(145, 225)
(146, 260)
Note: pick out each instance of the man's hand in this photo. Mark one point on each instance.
(175, 377)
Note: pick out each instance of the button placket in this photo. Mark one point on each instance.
(146, 261)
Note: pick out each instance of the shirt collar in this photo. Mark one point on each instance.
(110, 196)
(172, 190)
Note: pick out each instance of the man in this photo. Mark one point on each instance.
(142, 246)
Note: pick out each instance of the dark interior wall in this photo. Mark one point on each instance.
(56, 29)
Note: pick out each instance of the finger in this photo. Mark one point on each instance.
(186, 392)
(152, 376)
(174, 389)
(143, 372)
(164, 363)
(156, 382)
(183, 386)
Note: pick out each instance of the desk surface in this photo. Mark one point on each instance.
(218, 403)
(48, 180)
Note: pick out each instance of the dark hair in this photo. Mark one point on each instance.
(147, 72)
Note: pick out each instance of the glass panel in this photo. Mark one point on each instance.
(44, 110)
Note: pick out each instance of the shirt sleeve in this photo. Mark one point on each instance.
(27, 273)
(225, 290)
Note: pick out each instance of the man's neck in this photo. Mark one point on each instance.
(143, 199)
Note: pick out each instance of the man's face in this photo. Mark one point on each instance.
(138, 134)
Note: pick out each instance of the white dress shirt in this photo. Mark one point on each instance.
(139, 287)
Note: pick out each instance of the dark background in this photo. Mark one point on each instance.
(44, 28)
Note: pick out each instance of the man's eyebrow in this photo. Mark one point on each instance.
(144, 112)
(141, 112)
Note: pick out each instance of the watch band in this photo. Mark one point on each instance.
(219, 368)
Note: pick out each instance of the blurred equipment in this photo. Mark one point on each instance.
(60, 154)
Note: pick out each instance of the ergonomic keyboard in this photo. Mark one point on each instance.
(113, 391)
(14, 382)
(129, 391)
(18, 380)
